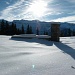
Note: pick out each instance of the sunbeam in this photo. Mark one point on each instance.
(38, 8)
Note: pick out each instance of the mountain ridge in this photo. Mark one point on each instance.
(41, 25)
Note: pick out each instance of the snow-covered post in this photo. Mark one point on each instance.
(55, 31)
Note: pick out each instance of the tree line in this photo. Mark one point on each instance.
(6, 29)
(67, 32)
(10, 29)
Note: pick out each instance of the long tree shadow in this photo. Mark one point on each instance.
(66, 49)
(39, 41)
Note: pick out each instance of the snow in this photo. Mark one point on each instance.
(31, 36)
(20, 56)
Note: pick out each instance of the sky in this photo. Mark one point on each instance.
(43, 10)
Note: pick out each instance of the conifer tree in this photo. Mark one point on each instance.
(37, 31)
(7, 28)
(28, 31)
(2, 27)
(44, 33)
(15, 29)
(69, 32)
(22, 29)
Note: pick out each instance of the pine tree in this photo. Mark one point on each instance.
(13, 29)
(44, 33)
(22, 29)
(2, 27)
(28, 30)
(7, 28)
(37, 31)
(73, 33)
(69, 32)
(18, 31)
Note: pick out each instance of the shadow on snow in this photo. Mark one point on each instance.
(65, 48)
(40, 41)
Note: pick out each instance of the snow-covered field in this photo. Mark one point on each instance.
(37, 56)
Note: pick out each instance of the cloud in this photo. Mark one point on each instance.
(19, 10)
(10, 0)
(52, 13)
(72, 12)
(54, 9)
(65, 19)
(7, 3)
(11, 12)
(71, 1)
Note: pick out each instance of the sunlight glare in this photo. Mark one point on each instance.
(38, 8)
(33, 66)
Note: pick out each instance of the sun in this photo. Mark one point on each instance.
(37, 8)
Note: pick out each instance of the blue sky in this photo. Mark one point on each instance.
(44, 10)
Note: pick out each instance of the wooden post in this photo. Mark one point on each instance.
(55, 32)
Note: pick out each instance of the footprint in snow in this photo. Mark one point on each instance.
(73, 67)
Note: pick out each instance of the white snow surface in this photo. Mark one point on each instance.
(20, 56)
